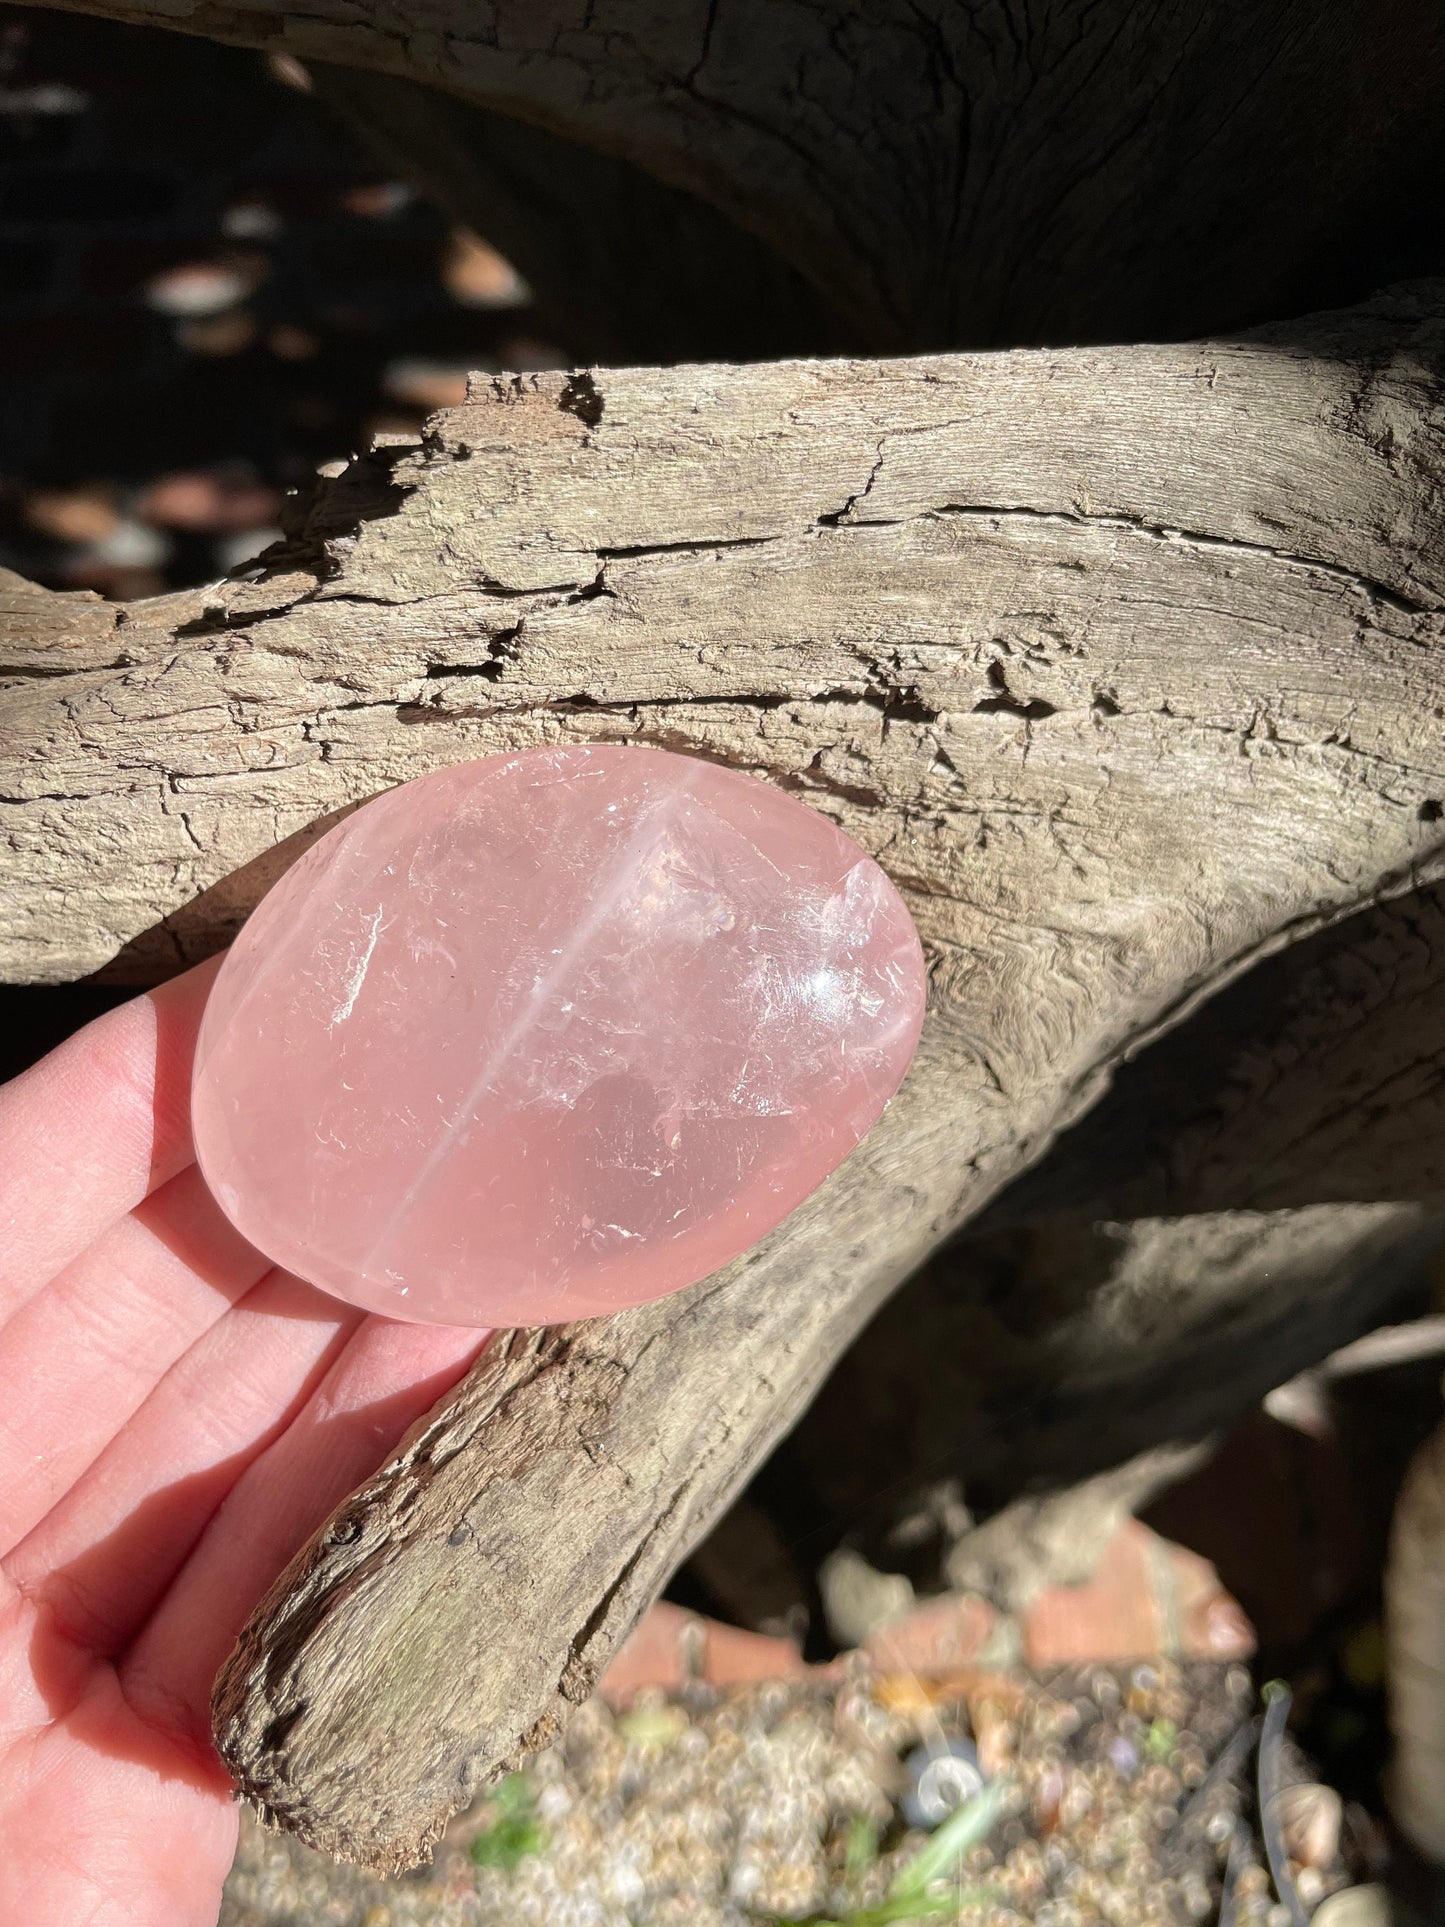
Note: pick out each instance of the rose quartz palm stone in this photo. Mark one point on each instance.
(544, 1035)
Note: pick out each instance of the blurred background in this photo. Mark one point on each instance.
(206, 291)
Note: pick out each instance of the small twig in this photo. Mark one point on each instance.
(1277, 1700)
(1230, 1760)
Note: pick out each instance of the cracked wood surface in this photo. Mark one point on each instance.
(975, 173)
(1123, 663)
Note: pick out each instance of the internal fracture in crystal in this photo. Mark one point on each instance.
(544, 1035)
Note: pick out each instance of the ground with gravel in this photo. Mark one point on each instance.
(1119, 1793)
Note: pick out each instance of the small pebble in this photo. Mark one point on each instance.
(1355, 1907)
(941, 1778)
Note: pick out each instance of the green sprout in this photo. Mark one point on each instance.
(910, 1896)
(960, 1833)
(861, 1849)
(1161, 1739)
(515, 1832)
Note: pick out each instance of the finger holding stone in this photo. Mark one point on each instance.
(94, 1128)
(81, 1356)
(389, 1375)
(104, 1556)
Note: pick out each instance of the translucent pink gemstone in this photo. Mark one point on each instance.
(545, 1035)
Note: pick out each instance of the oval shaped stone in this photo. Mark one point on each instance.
(536, 1037)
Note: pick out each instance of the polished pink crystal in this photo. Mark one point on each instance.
(544, 1035)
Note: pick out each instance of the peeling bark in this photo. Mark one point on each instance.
(1124, 663)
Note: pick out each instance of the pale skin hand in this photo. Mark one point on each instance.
(176, 1416)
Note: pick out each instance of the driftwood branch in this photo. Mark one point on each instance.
(1318, 1077)
(1033, 1360)
(458, 1604)
(1124, 663)
(1258, 1187)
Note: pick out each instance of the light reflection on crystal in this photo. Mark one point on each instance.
(544, 1035)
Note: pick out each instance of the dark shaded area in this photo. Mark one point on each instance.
(1041, 177)
(967, 1373)
(1315, 1058)
(34, 1018)
(626, 270)
(207, 289)
(1297, 1523)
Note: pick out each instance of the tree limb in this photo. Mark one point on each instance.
(1318, 1077)
(1030, 1361)
(1124, 663)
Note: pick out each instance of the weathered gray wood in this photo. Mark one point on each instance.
(1053, 1355)
(1125, 663)
(1209, 573)
(1319, 1077)
(457, 1605)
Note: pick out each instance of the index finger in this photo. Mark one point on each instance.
(94, 1128)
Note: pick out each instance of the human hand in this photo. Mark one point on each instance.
(176, 1417)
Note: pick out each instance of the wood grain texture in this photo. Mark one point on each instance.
(1124, 663)
(1318, 1078)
